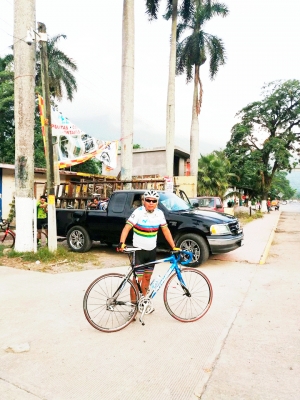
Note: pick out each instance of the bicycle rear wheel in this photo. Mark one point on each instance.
(109, 314)
(7, 239)
(182, 307)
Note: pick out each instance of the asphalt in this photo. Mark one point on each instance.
(246, 347)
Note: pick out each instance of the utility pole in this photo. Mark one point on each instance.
(24, 106)
(127, 90)
(52, 238)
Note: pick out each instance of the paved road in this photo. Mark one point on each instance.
(246, 346)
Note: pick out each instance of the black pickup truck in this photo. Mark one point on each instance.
(202, 232)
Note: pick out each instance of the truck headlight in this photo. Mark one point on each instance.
(220, 229)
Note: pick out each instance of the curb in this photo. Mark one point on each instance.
(265, 254)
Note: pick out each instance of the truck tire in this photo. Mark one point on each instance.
(197, 245)
(78, 239)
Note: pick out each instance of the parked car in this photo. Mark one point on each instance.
(200, 231)
(208, 203)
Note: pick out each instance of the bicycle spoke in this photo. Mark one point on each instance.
(107, 303)
(7, 239)
(186, 308)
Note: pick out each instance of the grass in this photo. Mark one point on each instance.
(45, 256)
(245, 218)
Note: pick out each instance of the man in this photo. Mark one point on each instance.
(145, 221)
(42, 215)
(94, 205)
(269, 204)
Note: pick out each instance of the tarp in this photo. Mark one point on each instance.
(75, 146)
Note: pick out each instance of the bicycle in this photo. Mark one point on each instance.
(7, 236)
(108, 304)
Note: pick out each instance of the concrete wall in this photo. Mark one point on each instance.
(151, 162)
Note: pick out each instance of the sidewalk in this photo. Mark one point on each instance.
(245, 348)
(258, 236)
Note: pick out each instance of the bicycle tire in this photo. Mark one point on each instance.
(182, 307)
(7, 239)
(96, 306)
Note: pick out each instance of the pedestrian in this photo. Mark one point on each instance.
(269, 204)
(145, 221)
(42, 217)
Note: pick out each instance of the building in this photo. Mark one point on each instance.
(152, 162)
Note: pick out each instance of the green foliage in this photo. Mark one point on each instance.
(280, 184)
(60, 70)
(213, 174)
(266, 140)
(7, 126)
(91, 166)
(60, 78)
(195, 49)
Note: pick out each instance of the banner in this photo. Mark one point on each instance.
(75, 146)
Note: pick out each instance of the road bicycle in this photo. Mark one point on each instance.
(108, 302)
(7, 236)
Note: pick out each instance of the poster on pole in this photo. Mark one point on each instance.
(169, 185)
(75, 146)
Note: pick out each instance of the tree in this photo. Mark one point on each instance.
(268, 135)
(152, 7)
(60, 71)
(213, 174)
(281, 187)
(7, 126)
(91, 166)
(192, 52)
(127, 89)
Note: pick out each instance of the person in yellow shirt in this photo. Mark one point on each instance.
(42, 217)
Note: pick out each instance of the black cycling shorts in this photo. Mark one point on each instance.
(41, 222)
(142, 257)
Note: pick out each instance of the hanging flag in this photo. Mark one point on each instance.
(75, 146)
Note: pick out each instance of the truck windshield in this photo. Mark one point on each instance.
(173, 202)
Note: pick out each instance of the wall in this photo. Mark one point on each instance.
(188, 184)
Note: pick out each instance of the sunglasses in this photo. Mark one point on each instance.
(150, 201)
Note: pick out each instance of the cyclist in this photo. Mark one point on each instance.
(145, 221)
(42, 210)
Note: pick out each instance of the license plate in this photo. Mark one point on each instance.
(242, 243)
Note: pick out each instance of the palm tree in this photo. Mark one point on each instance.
(152, 7)
(127, 90)
(192, 52)
(61, 69)
(214, 174)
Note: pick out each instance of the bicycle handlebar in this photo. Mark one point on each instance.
(190, 257)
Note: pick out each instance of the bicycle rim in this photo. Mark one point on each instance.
(103, 313)
(182, 307)
(7, 239)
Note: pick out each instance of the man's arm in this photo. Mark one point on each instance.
(168, 236)
(125, 232)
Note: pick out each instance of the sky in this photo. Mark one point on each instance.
(261, 39)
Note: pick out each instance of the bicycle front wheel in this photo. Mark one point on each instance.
(107, 303)
(7, 239)
(188, 307)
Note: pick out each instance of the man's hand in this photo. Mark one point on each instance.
(121, 247)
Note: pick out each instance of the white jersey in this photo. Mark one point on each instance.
(145, 227)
